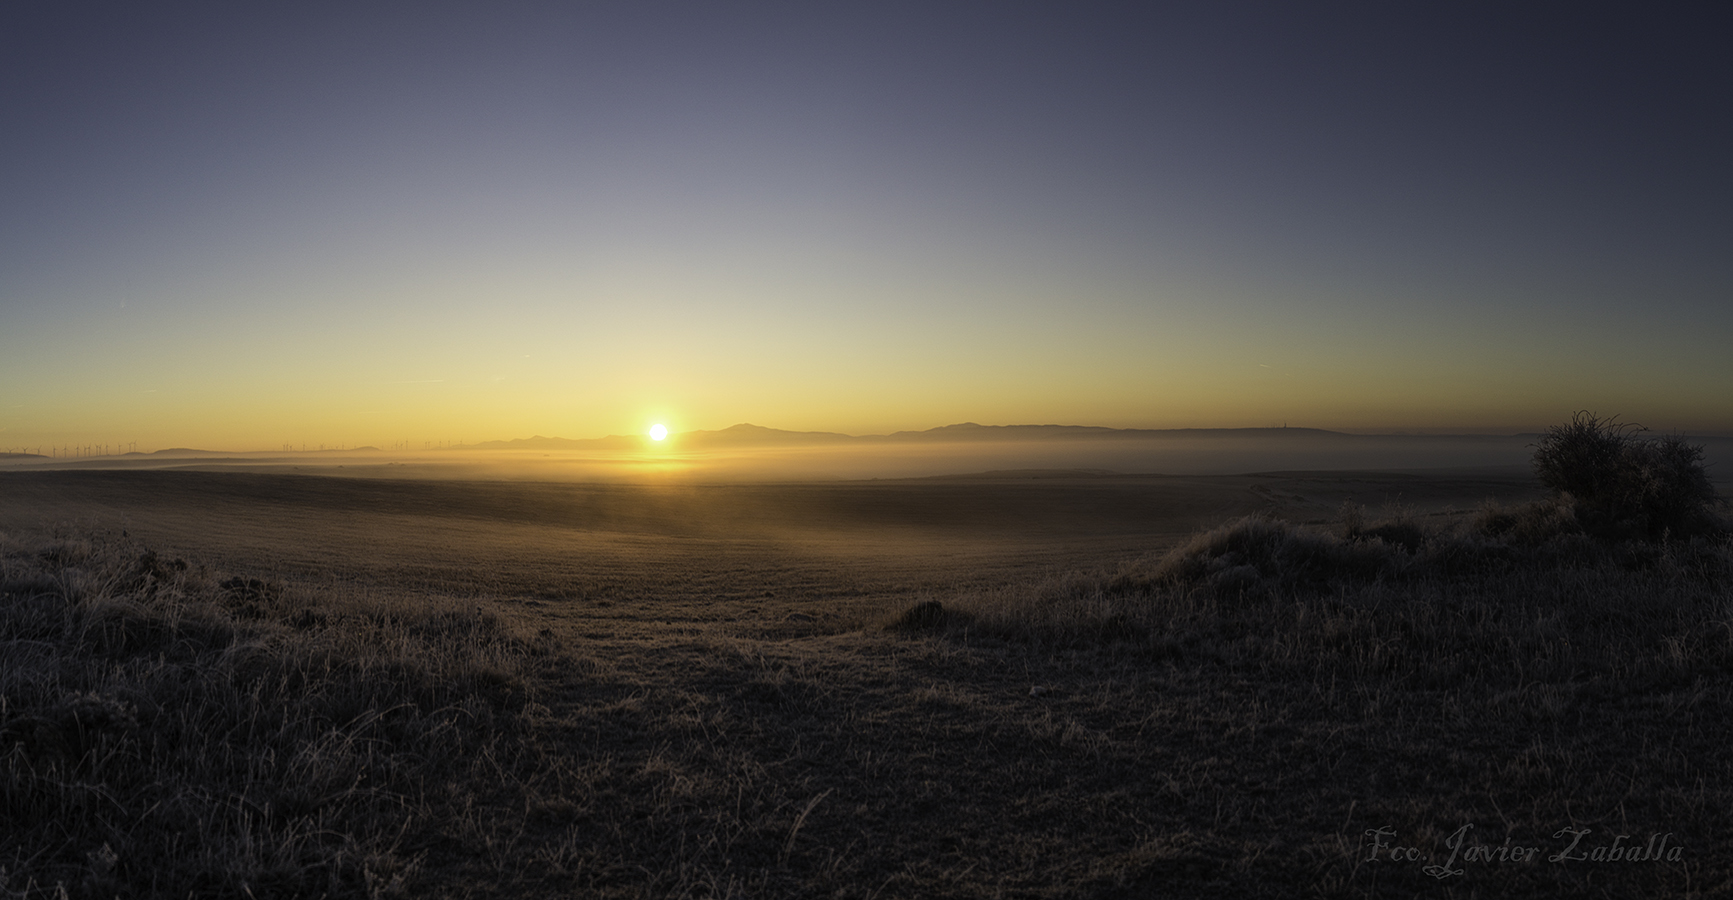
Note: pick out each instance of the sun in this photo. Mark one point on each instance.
(658, 431)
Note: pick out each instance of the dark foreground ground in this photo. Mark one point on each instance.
(717, 691)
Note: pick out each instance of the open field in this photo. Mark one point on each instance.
(688, 550)
(713, 690)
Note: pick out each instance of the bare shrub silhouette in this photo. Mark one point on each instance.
(1626, 486)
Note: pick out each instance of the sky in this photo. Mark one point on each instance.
(249, 226)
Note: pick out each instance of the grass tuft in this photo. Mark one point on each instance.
(927, 616)
(166, 733)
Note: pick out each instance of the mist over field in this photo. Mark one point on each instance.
(748, 453)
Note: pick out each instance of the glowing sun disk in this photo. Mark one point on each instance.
(658, 432)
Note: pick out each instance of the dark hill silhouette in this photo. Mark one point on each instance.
(969, 431)
(757, 435)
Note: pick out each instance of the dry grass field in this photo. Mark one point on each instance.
(222, 684)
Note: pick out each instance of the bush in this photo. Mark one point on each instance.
(1624, 485)
(1261, 554)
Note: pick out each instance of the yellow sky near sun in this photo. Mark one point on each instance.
(1157, 390)
(486, 356)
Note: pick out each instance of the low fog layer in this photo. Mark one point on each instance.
(768, 455)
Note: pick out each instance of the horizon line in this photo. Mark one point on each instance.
(81, 451)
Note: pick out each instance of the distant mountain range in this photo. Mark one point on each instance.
(190, 451)
(746, 435)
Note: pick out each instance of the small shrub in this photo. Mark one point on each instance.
(1352, 517)
(1258, 551)
(1403, 533)
(1584, 458)
(1625, 486)
(1673, 484)
(1530, 524)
